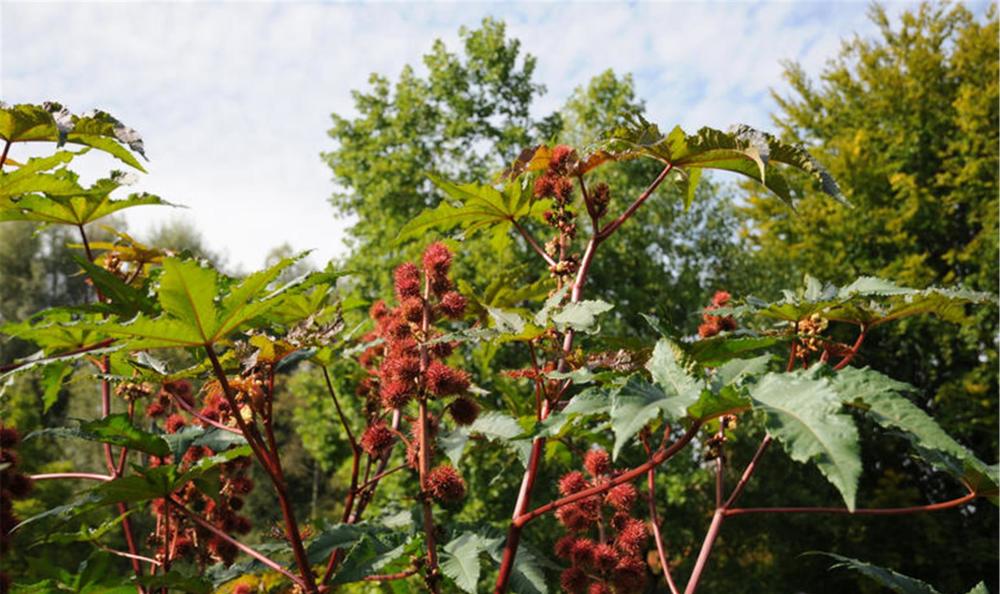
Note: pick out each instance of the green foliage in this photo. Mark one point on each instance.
(890, 579)
(114, 429)
(802, 414)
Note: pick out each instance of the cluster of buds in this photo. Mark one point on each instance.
(714, 445)
(409, 364)
(613, 562)
(133, 391)
(174, 538)
(712, 325)
(555, 183)
(810, 332)
(13, 485)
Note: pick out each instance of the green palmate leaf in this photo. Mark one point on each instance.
(76, 210)
(979, 588)
(215, 439)
(883, 400)
(665, 368)
(634, 406)
(887, 578)
(54, 123)
(802, 414)
(84, 533)
(54, 330)
(114, 429)
(580, 315)
(460, 560)
(638, 402)
(476, 207)
(199, 307)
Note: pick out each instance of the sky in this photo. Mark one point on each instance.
(234, 99)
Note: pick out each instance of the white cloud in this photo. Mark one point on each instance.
(234, 98)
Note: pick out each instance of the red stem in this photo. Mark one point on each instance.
(194, 413)
(706, 550)
(388, 577)
(274, 472)
(613, 225)
(655, 522)
(534, 244)
(885, 511)
(854, 350)
(340, 412)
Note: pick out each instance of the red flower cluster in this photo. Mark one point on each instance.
(712, 325)
(13, 485)
(613, 562)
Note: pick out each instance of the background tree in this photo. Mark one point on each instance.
(908, 124)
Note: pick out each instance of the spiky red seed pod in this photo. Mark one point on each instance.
(562, 189)
(564, 547)
(622, 497)
(710, 327)
(452, 304)
(597, 462)
(8, 457)
(574, 517)
(412, 309)
(396, 394)
(464, 411)
(445, 381)
(182, 545)
(442, 350)
(437, 260)
(631, 537)
(403, 368)
(242, 589)
(440, 286)
(605, 557)
(572, 482)
(242, 484)
(242, 525)
(397, 328)
(155, 409)
(573, 581)
(720, 299)
(407, 277)
(406, 347)
(378, 310)
(174, 423)
(599, 588)
(445, 484)
(19, 485)
(560, 158)
(630, 574)
(728, 323)
(377, 439)
(582, 552)
(545, 185)
(9, 437)
(181, 389)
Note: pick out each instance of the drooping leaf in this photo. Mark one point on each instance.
(887, 578)
(802, 412)
(177, 581)
(114, 429)
(122, 299)
(883, 400)
(53, 376)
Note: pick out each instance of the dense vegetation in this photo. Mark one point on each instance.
(556, 323)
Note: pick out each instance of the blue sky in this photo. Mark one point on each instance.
(234, 99)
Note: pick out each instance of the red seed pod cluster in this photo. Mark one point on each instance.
(13, 485)
(612, 562)
(164, 399)
(712, 325)
(174, 536)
